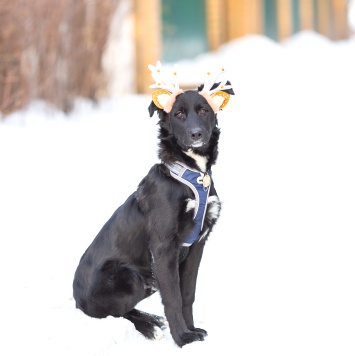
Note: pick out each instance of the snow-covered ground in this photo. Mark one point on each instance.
(278, 273)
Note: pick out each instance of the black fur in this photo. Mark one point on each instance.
(139, 249)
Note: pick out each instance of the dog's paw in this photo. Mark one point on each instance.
(160, 321)
(151, 331)
(201, 331)
(191, 336)
(157, 334)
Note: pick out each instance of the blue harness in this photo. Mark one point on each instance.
(194, 180)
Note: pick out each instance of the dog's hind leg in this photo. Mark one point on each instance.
(115, 289)
(149, 325)
(124, 287)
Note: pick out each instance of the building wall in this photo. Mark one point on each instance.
(148, 40)
(230, 19)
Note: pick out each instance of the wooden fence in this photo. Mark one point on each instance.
(52, 49)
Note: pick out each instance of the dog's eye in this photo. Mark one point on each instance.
(180, 115)
(203, 111)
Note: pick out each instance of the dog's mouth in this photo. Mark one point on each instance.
(187, 143)
(197, 144)
(194, 144)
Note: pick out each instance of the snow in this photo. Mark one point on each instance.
(277, 275)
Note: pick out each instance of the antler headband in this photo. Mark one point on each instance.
(165, 95)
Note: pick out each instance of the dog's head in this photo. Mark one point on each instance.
(190, 117)
(191, 120)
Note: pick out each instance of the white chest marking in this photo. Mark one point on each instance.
(200, 160)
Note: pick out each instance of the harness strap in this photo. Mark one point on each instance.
(194, 180)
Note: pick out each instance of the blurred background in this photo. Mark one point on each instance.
(57, 50)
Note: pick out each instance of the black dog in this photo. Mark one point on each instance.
(143, 247)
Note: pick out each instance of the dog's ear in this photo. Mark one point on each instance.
(152, 108)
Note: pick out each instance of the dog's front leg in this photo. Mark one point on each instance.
(188, 277)
(166, 269)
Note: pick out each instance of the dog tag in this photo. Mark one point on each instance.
(206, 180)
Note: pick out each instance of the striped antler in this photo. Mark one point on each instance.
(216, 97)
(211, 80)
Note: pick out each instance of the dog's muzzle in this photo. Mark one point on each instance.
(196, 137)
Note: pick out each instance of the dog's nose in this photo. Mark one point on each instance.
(196, 134)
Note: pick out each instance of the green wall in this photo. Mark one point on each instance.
(270, 19)
(184, 33)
